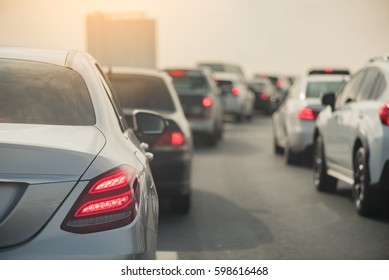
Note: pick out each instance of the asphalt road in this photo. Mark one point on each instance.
(248, 204)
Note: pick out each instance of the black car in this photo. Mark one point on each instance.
(171, 166)
(267, 97)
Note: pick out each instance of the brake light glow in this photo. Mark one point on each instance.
(117, 180)
(109, 201)
(307, 114)
(104, 205)
(235, 91)
(177, 139)
(207, 102)
(171, 139)
(177, 73)
(264, 96)
(279, 84)
(384, 114)
(328, 70)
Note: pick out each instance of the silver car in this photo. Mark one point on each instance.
(237, 98)
(74, 181)
(352, 138)
(294, 121)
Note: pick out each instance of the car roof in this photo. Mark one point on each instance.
(57, 57)
(203, 70)
(226, 76)
(133, 70)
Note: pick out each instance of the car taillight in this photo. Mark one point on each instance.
(235, 91)
(279, 84)
(207, 102)
(307, 114)
(264, 96)
(109, 201)
(384, 114)
(177, 73)
(328, 70)
(171, 138)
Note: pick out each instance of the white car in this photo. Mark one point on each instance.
(352, 138)
(294, 121)
(238, 100)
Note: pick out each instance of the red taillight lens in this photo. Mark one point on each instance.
(264, 96)
(105, 205)
(116, 180)
(108, 201)
(207, 102)
(171, 139)
(384, 114)
(235, 91)
(279, 84)
(307, 114)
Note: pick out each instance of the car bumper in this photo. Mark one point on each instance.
(301, 138)
(202, 126)
(172, 172)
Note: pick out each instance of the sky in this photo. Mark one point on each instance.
(273, 36)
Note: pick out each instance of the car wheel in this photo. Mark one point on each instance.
(212, 138)
(181, 204)
(366, 200)
(239, 118)
(278, 150)
(322, 181)
(291, 157)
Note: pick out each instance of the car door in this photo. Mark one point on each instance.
(338, 133)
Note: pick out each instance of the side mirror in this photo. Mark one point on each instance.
(328, 99)
(148, 122)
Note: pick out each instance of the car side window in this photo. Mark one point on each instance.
(367, 86)
(114, 102)
(350, 90)
(379, 88)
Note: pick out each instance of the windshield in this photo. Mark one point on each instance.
(42, 93)
(315, 88)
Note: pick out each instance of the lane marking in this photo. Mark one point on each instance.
(167, 255)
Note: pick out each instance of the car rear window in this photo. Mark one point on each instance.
(41, 93)
(142, 92)
(190, 84)
(315, 88)
(225, 86)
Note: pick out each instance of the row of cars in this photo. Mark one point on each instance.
(340, 122)
(88, 151)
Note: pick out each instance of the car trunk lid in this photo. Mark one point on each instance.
(39, 166)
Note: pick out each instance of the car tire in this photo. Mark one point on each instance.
(181, 204)
(322, 181)
(367, 201)
(212, 139)
(278, 150)
(239, 118)
(291, 157)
